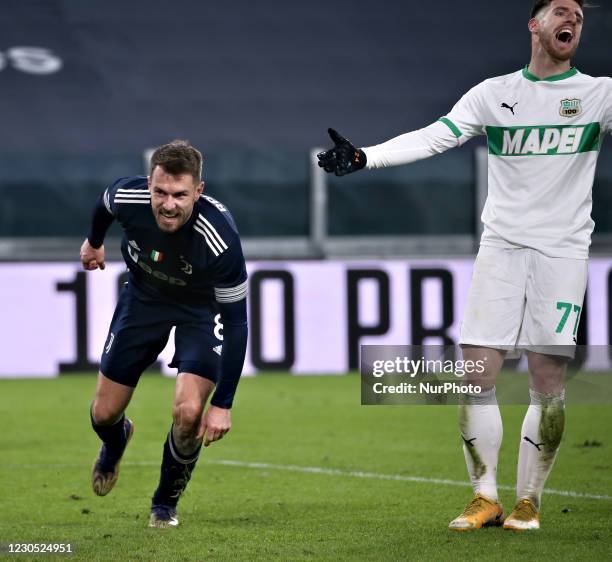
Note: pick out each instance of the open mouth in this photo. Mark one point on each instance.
(565, 35)
(169, 220)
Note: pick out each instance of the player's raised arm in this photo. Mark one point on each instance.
(413, 146)
(461, 124)
(344, 158)
(92, 249)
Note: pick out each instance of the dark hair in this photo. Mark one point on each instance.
(540, 4)
(178, 157)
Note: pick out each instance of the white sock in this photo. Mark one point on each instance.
(481, 429)
(540, 439)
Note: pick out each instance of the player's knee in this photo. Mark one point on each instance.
(547, 373)
(552, 368)
(187, 414)
(104, 414)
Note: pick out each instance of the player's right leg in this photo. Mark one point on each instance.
(113, 428)
(137, 334)
(481, 433)
(491, 325)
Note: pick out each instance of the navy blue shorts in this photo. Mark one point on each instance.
(139, 332)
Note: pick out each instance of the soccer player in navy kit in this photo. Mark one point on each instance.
(186, 270)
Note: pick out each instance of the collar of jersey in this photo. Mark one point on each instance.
(555, 78)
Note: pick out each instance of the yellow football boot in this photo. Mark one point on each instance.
(480, 512)
(524, 517)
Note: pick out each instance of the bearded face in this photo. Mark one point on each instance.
(558, 29)
(172, 198)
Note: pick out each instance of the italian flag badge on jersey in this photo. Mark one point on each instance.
(157, 256)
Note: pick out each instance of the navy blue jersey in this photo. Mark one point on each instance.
(200, 263)
(200, 266)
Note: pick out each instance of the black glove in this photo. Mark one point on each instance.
(344, 158)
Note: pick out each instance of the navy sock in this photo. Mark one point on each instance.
(113, 436)
(175, 473)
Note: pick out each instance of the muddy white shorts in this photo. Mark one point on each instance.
(521, 299)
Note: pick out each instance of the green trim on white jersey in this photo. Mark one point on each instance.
(451, 126)
(540, 203)
(568, 74)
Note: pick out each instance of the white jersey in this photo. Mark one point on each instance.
(544, 137)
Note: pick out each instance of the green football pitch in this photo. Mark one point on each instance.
(306, 473)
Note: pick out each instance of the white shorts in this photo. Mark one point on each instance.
(521, 299)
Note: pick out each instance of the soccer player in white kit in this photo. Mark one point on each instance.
(544, 126)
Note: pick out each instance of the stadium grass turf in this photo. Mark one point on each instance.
(235, 512)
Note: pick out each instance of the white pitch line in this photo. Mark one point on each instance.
(326, 472)
(396, 477)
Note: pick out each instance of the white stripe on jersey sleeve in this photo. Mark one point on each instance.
(203, 233)
(125, 195)
(121, 195)
(215, 233)
(231, 294)
(210, 236)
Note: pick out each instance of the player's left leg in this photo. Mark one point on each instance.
(137, 334)
(540, 438)
(554, 297)
(181, 449)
